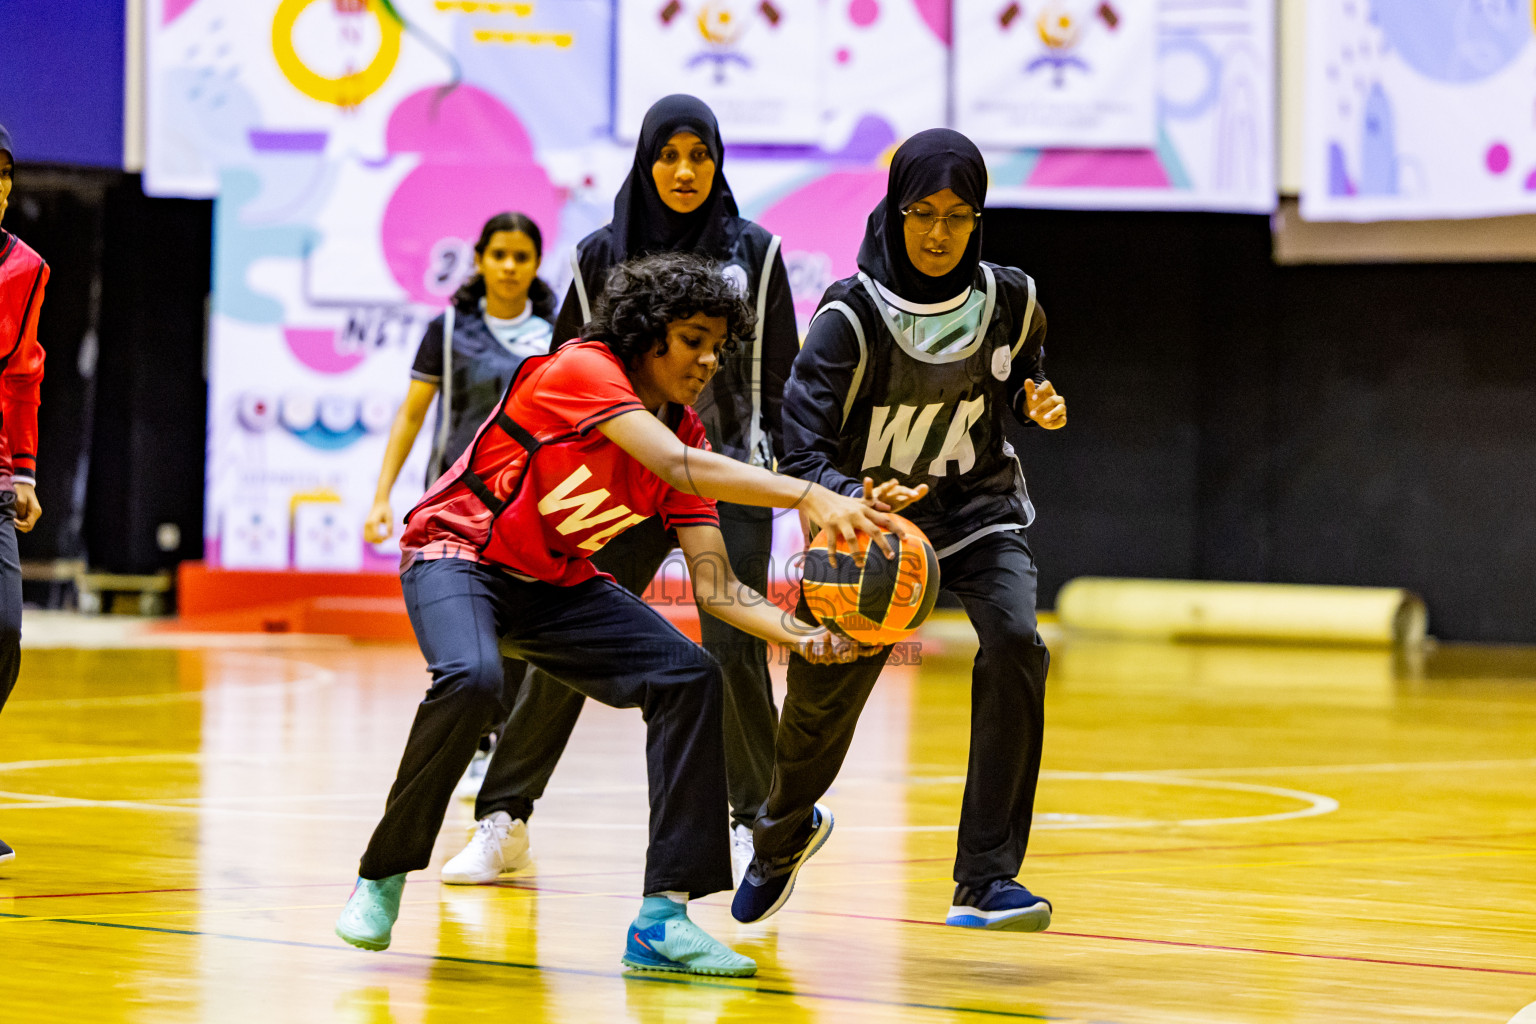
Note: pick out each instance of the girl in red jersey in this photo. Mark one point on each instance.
(23, 276)
(587, 442)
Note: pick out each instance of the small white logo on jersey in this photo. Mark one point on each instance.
(736, 275)
(1002, 363)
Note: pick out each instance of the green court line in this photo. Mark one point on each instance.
(693, 982)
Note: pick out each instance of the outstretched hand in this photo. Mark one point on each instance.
(1043, 405)
(844, 519)
(892, 495)
(827, 648)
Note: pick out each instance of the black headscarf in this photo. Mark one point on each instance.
(5, 142)
(928, 162)
(642, 223)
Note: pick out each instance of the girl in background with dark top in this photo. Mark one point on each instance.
(497, 318)
(675, 199)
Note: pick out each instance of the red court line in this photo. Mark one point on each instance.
(1213, 847)
(1210, 946)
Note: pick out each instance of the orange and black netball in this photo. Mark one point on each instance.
(884, 599)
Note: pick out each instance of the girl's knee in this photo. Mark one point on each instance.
(478, 682)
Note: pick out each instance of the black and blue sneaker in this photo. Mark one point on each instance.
(6, 853)
(768, 882)
(1000, 905)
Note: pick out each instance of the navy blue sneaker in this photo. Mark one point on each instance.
(1000, 905)
(767, 884)
(6, 853)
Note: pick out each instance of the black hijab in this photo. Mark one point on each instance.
(642, 222)
(5, 142)
(928, 162)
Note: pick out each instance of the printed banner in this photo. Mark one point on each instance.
(226, 81)
(1419, 109)
(356, 146)
(1214, 145)
(1063, 73)
(757, 63)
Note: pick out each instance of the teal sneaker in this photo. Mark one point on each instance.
(370, 912)
(671, 942)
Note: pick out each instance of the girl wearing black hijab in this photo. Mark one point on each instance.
(675, 199)
(902, 384)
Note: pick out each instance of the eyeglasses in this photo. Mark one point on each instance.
(960, 222)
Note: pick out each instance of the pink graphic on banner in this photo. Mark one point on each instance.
(174, 9)
(863, 13)
(1498, 158)
(1102, 168)
(822, 224)
(476, 161)
(315, 347)
(935, 13)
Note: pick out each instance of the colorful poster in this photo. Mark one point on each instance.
(227, 81)
(1078, 73)
(886, 71)
(757, 63)
(1419, 109)
(356, 146)
(1215, 129)
(303, 388)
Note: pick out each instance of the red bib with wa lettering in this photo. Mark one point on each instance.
(540, 490)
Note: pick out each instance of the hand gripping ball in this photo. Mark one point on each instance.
(881, 602)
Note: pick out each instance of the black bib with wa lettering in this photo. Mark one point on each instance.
(926, 402)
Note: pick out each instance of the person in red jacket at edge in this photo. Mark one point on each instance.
(23, 275)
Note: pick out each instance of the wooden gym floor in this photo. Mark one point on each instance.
(1228, 834)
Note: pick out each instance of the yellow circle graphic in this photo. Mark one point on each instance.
(348, 90)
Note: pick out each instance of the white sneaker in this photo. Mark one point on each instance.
(498, 845)
(741, 852)
(469, 786)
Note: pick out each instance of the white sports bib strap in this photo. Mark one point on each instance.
(858, 371)
(1029, 317)
(757, 441)
(581, 289)
(444, 395)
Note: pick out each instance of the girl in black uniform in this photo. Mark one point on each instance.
(499, 317)
(675, 199)
(904, 377)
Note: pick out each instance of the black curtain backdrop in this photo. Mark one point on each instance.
(150, 426)
(1230, 419)
(60, 215)
(1235, 420)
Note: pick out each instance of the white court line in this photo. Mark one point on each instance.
(318, 677)
(35, 801)
(1353, 769)
(1316, 804)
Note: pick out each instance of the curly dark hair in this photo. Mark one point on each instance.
(642, 296)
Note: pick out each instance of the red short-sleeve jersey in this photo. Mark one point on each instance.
(573, 494)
